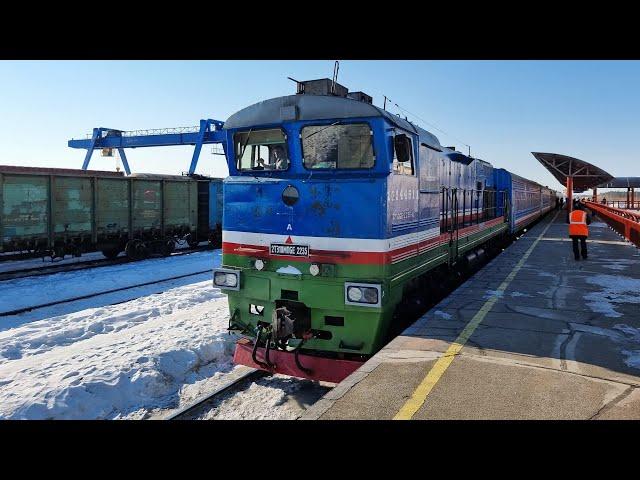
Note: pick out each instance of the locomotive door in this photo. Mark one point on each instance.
(455, 211)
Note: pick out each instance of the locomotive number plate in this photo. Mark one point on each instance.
(289, 249)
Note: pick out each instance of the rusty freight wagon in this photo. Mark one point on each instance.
(57, 212)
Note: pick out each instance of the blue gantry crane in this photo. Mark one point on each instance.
(210, 131)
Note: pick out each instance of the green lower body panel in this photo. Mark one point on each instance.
(343, 328)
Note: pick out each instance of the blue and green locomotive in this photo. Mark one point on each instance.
(335, 211)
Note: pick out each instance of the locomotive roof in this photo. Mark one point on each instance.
(319, 107)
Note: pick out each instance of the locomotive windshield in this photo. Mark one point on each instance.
(337, 146)
(261, 150)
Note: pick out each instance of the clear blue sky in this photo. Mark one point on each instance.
(503, 109)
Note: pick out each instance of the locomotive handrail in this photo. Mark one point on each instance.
(623, 221)
(452, 220)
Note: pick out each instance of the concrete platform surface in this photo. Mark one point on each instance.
(533, 335)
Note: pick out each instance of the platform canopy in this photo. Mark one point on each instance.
(622, 182)
(584, 174)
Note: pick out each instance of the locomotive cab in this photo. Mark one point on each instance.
(304, 225)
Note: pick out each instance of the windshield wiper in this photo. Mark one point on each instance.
(244, 145)
(321, 130)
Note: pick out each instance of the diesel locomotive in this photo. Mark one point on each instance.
(335, 212)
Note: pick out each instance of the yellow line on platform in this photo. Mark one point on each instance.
(420, 394)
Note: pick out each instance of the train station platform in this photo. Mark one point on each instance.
(535, 334)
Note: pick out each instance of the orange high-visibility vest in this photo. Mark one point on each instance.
(578, 224)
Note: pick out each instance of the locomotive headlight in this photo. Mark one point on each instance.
(363, 294)
(354, 294)
(224, 278)
(314, 269)
(259, 264)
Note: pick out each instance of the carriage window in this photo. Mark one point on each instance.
(337, 146)
(261, 150)
(402, 155)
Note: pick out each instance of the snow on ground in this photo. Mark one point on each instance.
(116, 361)
(633, 336)
(275, 398)
(615, 289)
(493, 293)
(626, 336)
(40, 336)
(618, 264)
(546, 274)
(11, 265)
(115, 355)
(8, 265)
(131, 354)
(29, 291)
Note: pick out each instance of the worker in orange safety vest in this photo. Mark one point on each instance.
(578, 230)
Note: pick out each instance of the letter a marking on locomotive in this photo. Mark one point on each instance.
(289, 228)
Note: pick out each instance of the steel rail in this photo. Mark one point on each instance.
(97, 294)
(70, 267)
(188, 409)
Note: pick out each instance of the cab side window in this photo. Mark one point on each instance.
(403, 162)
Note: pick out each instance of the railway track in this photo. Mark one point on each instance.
(70, 267)
(200, 404)
(97, 294)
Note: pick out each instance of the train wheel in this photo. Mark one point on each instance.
(58, 251)
(111, 253)
(135, 250)
(168, 247)
(192, 241)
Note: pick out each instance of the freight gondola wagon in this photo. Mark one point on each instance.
(57, 212)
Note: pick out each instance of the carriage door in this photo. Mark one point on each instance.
(403, 188)
(430, 191)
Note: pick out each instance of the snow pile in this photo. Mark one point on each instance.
(616, 289)
(289, 270)
(115, 361)
(41, 336)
